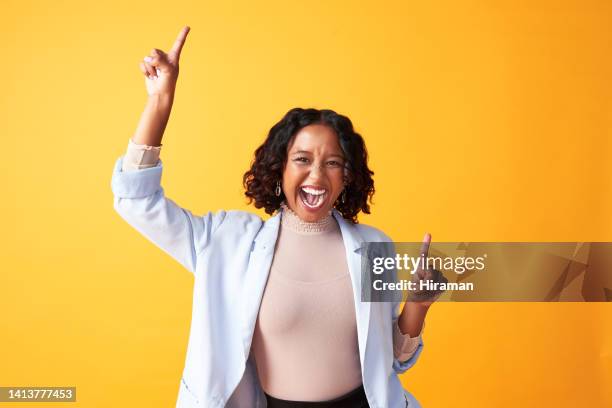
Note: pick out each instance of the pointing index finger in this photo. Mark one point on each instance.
(179, 42)
(425, 245)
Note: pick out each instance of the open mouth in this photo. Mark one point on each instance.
(313, 197)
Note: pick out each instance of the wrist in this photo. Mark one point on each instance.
(162, 100)
(412, 318)
(416, 307)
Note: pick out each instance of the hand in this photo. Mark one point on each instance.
(161, 70)
(425, 297)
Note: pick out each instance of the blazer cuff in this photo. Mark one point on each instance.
(401, 366)
(140, 156)
(138, 183)
(404, 346)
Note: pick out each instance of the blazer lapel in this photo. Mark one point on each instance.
(352, 243)
(256, 277)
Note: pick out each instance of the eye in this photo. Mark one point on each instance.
(334, 163)
(301, 159)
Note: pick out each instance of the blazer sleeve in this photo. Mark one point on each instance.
(140, 200)
(400, 366)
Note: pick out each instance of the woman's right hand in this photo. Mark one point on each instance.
(161, 70)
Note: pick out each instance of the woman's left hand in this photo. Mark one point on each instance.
(424, 297)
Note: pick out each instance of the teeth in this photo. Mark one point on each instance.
(319, 197)
(313, 191)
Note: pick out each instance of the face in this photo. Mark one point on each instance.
(313, 177)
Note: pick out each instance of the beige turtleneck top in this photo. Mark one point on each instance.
(307, 315)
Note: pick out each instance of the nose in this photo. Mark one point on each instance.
(316, 172)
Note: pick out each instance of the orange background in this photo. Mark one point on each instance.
(485, 121)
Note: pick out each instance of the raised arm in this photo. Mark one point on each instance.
(138, 196)
(161, 73)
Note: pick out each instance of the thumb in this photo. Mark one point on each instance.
(159, 59)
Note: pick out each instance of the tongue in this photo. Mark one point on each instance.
(311, 199)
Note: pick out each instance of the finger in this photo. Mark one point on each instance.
(441, 278)
(175, 51)
(427, 273)
(143, 69)
(425, 246)
(150, 69)
(158, 59)
(433, 275)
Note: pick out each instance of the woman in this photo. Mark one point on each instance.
(277, 315)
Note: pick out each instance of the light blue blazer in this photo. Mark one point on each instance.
(230, 253)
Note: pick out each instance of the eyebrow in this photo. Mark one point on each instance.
(307, 152)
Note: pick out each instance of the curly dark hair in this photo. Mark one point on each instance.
(270, 159)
